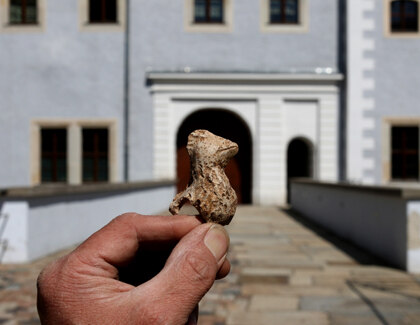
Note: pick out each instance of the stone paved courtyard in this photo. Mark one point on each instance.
(284, 271)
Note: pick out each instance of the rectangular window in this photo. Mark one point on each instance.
(95, 155)
(405, 153)
(208, 11)
(404, 16)
(103, 11)
(23, 12)
(53, 155)
(284, 12)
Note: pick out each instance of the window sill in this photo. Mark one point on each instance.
(102, 27)
(22, 28)
(208, 27)
(284, 28)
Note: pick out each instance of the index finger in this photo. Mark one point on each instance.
(118, 242)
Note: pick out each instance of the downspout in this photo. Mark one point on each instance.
(126, 126)
(342, 66)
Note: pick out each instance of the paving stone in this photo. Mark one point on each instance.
(289, 318)
(273, 303)
(282, 273)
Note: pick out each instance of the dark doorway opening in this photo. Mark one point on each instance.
(230, 126)
(299, 161)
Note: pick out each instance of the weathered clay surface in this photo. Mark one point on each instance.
(210, 191)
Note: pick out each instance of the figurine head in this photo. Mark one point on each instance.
(205, 147)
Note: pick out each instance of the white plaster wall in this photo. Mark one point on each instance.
(360, 86)
(45, 225)
(370, 220)
(413, 228)
(14, 231)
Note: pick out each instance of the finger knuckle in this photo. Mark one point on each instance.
(200, 268)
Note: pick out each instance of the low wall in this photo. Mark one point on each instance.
(38, 221)
(383, 220)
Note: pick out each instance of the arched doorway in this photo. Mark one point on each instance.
(230, 126)
(299, 161)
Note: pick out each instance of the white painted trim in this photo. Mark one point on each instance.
(261, 106)
(180, 76)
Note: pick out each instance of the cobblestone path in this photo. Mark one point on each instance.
(284, 271)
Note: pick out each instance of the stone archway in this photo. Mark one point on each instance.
(225, 124)
(299, 161)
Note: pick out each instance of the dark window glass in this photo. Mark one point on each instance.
(208, 11)
(284, 12)
(103, 11)
(95, 155)
(405, 153)
(404, 16)
(23, 12)
(53, 155)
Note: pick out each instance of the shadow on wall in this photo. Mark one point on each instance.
(357, 253)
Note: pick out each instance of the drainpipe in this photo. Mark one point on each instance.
(126, 126)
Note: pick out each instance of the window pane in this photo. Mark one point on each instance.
(111, 11)
(275, 11)
(200, 11)
(95, 11)
(53, 155)
(31, 12)
(216, 11)
(15, 12)
(405, 153)
(411, 16)
(95, 155)
(291, 11)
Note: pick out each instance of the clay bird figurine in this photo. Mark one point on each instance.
(209, 191)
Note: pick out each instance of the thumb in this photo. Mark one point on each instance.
(190, 270)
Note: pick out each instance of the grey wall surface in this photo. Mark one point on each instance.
(376, 222)
(64, 72)
(61, 72)
(397, 79)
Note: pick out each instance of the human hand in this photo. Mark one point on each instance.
(113, 277)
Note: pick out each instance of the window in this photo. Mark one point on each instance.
(284, 16)
(102, 15)
(23, 12)
(284, 12)
(208, 11)
(404, 16)
(95, 155)
(214, 16)
(405, 153)
(103, 11)
(53, 155)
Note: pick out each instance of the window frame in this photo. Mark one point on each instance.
(6, 26)
(388, 124)
(387, 17)
(74, 147)
(302, 26)
(87, 26)
(190, 25)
